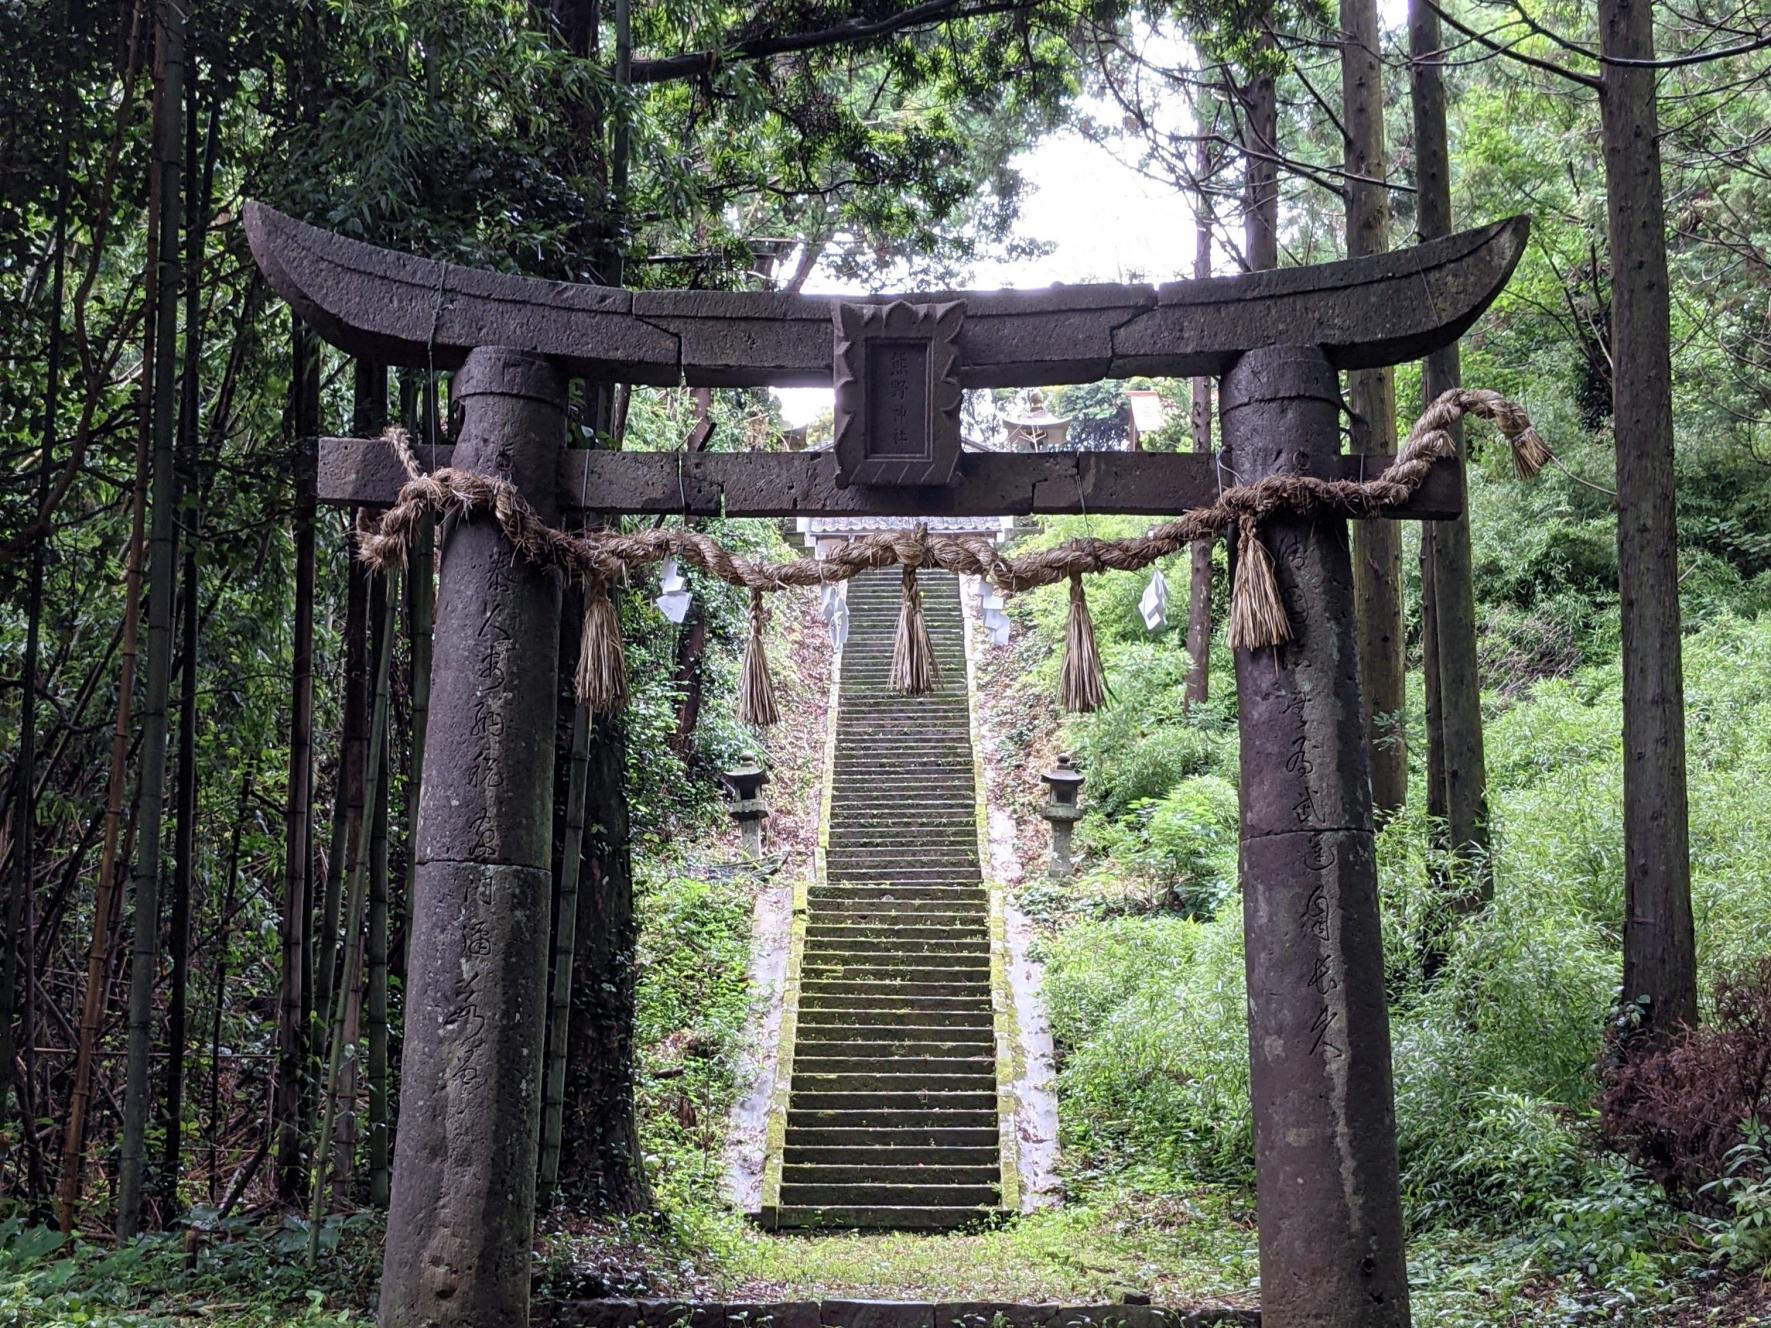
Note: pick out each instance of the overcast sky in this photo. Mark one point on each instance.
(1104, 221)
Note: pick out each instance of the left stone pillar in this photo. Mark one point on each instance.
(459, 1228)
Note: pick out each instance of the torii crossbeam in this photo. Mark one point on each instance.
(459, 1229)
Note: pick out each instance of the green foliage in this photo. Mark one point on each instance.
(1742, 1239)
(1099, 414)
(1494, 1056)
(1148, 1013)
(232, 1274)
(690, 1005)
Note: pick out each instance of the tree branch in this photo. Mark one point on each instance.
(697, 63)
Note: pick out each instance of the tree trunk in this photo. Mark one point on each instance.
(107, 898)
(1377, 545)
(185, 834)
(601, 1163)
(691, 645)
(292, 1002)
(1659, 961)
(1260, 172)
(1199, 578)
(17, 949)
(1456, 765)
(163, 555)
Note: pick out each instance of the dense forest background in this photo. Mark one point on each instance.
(189, 663)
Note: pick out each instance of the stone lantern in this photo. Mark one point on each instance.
(1063, 813)
(747, 807)
(1034, 428)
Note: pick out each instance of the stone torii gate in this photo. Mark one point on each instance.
(460, 1225)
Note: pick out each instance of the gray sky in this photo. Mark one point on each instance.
(1104, 221)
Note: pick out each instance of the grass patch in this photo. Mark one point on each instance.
(1119, 1240)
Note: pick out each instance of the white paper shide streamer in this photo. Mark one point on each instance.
(990, 610)
(833, 608)
(1154, 604)
(673, 597)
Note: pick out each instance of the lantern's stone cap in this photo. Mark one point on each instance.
(1065, 780)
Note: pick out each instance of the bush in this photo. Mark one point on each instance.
(1682, 1112)
(1177, 852)
(1149, 1016)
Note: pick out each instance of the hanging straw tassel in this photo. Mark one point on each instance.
(1082, 683)
(602, 663)
(914, 670)
(1257, 614)
(756, 689)
(1530, 453)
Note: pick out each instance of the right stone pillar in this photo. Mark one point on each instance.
(1331, 1237)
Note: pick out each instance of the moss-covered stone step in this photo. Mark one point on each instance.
(825, 1039)
(904, 808)
(958, 985)
(898, 1137)
(884, 836)
(864, 893)
(891, 1155)
(907, 854)
(905, 1172)
(882, 869)
(898, 1218)
(889, 972)
(848, 1053)
(837, 904)
(944, 908)
(878, 1063)
(892, 1118)
(873, 1090)
(945, 1196)
(856, 891)
(903, 1019)
(871, 818)
(944, 960)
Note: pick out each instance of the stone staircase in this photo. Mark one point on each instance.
(892, 1109)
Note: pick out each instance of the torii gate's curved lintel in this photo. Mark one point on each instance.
(400, 309)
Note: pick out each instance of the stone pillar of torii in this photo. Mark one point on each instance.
(460, 1226)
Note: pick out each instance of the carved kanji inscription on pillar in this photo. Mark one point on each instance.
(897, 392)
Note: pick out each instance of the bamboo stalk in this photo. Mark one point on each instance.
(553, 1099)
(168, 166)
(352, 952)
(221, 971)
(375, 1002)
